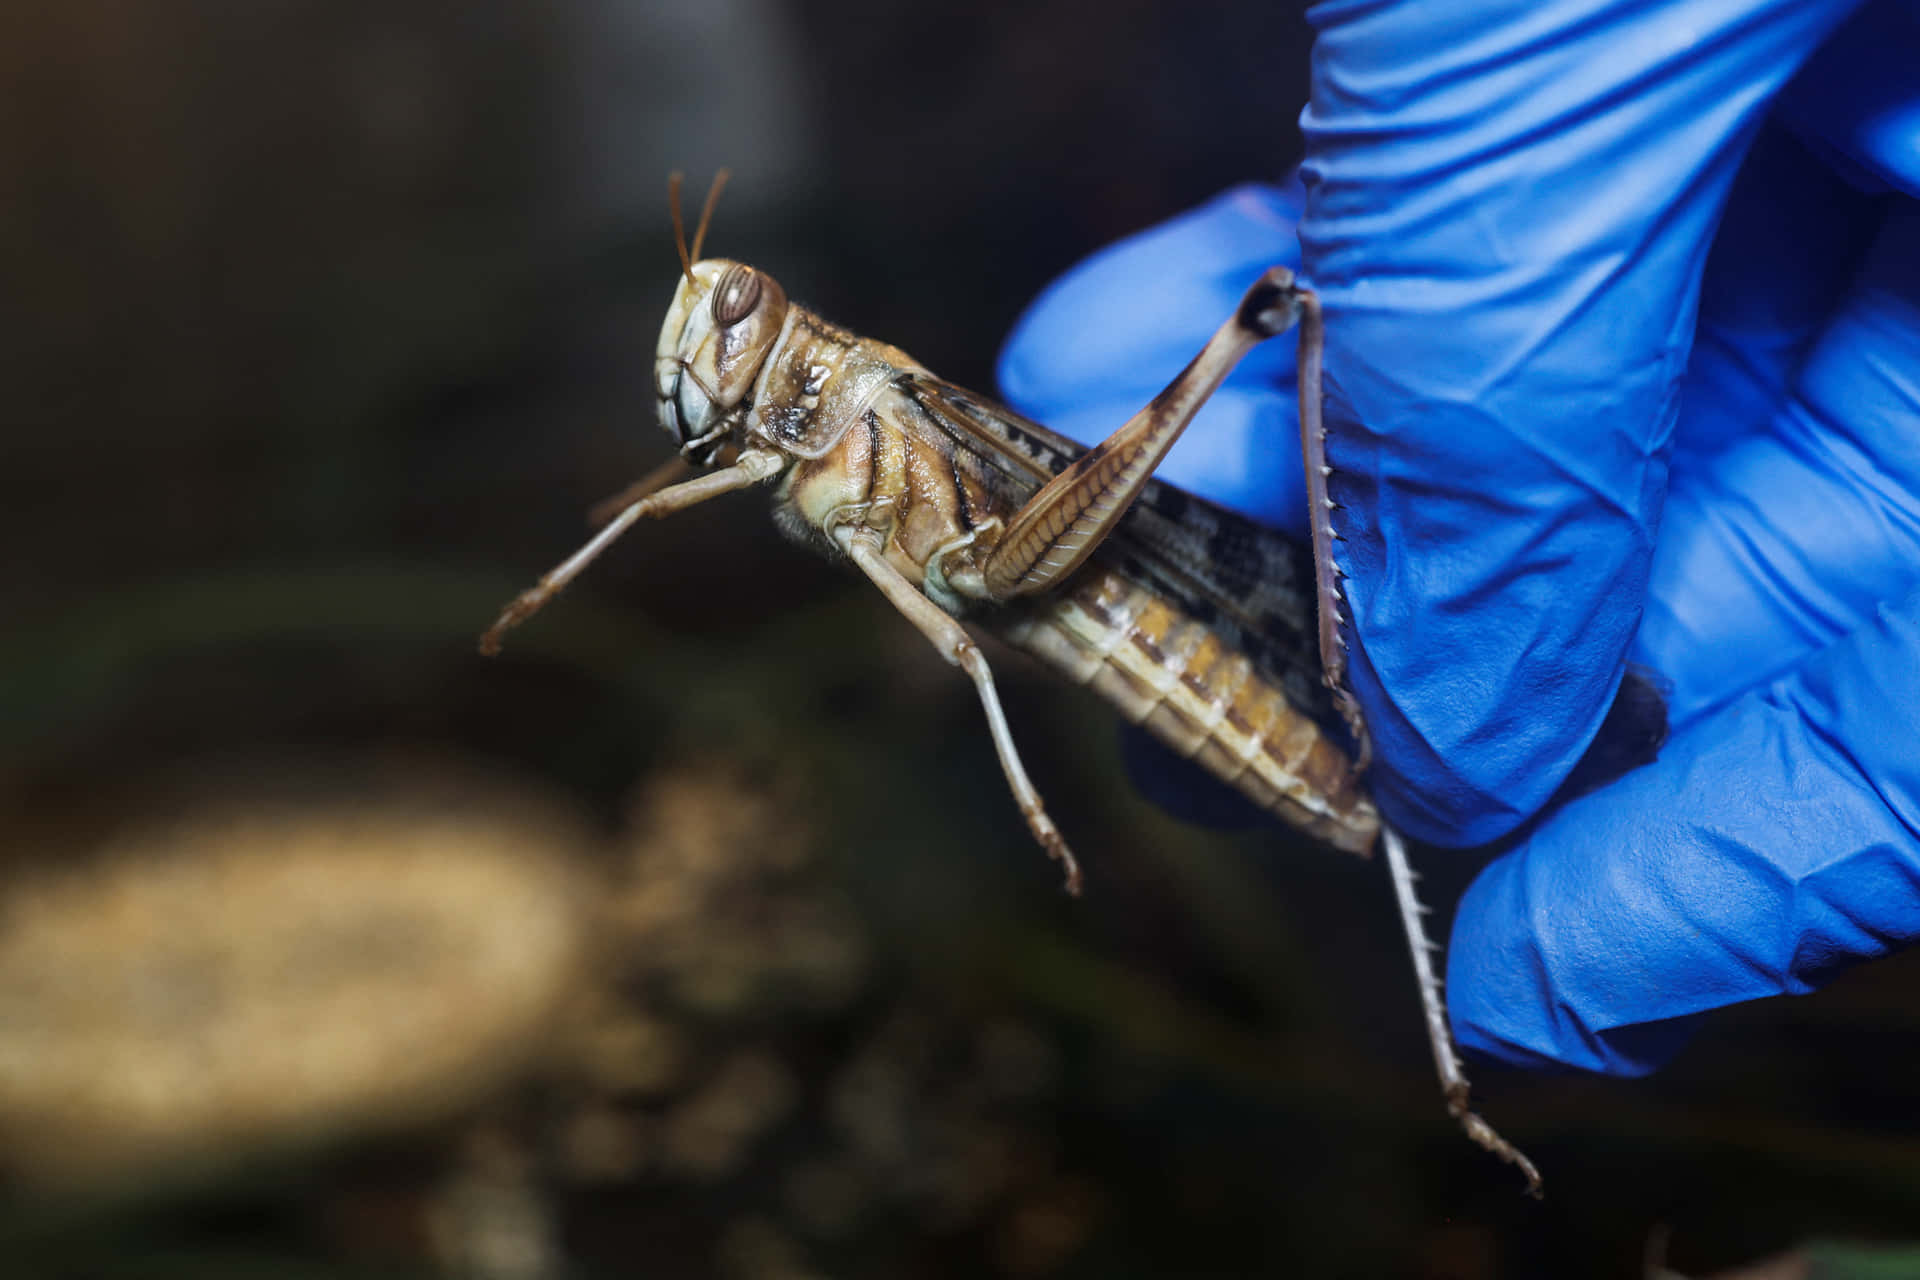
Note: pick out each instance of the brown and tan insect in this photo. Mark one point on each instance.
(1193, 621)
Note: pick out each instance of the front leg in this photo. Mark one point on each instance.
(755, 466)
(957, 647)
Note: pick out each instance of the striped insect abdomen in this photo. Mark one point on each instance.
(1169, 673)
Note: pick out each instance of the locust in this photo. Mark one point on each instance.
(1188, 618)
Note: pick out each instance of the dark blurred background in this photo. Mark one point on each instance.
(696, 935)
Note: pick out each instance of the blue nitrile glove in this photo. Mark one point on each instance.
(1508, 209)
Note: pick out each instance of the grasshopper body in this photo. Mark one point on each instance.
(1189, 619)
(1214, 658)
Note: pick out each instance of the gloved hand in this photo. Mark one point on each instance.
(1558, 451)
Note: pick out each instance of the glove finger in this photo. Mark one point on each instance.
(1772, 845)
(1791, 538)
(1109, 335)
(1801, 212)
(1787, 249)
(1509, 206)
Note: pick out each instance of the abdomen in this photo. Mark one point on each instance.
(1169, 673)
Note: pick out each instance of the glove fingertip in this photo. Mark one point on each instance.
(1512, 1000)
(1184, 789)
(1149, 298)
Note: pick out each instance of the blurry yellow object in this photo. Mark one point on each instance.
(244, 975)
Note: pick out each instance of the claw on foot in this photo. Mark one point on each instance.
(1057, 850)
(524, 606)
(1488, 1138)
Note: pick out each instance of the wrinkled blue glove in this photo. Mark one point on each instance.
(1623, 365)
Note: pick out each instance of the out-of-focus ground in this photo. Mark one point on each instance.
(696, 935)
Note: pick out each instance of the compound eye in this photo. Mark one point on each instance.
(737, 294)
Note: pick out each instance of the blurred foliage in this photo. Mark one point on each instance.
(696, 936)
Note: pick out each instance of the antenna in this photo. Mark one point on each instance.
(679, 228)
(706, 212)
